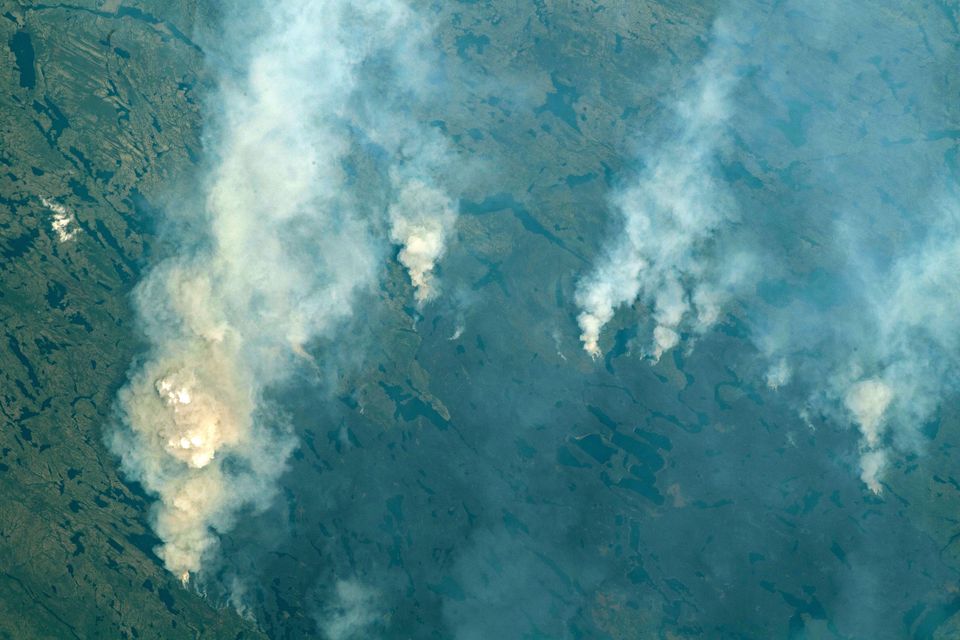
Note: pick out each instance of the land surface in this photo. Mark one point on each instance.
(496, 484)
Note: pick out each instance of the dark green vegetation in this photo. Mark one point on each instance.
(98, 109)
(496, 485)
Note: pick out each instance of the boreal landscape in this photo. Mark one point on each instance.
(480, 319)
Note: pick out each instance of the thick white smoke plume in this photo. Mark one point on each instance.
(421, 219)
(288, 247)
(867, 402)
(670, 213)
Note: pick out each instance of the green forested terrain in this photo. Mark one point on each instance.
(99, 105)
(468, 459)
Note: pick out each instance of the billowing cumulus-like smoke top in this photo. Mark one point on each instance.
(420, 221)
(287, 247)
(670, 213)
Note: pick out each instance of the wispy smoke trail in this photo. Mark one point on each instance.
(670, 213)
(900, 350)
(857, 307)
(351, 612)
(288, 247)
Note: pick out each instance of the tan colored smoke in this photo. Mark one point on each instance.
(285, 248)
(867, 402)
(421, 220)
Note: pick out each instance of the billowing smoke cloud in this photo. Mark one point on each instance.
(845, 193)
(867, 402)
(288, 246)
(670, 213)
(856, 309)
(903, 351)
(421, 220)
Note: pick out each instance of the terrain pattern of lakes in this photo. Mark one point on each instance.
(499, 484)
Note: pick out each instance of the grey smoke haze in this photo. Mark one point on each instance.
(351, 613)
(669, 213)
(887, 359)
(856, 309)
(831, 230)
(288, 246)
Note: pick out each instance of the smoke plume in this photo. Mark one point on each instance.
(846, 218)
(906, 352)
(287, 244)
(867, 402)
(421, 219)
(855, 312)
(670, 214)
(351, 613)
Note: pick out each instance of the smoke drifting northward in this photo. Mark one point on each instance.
(351, 613)
(670, 213)
(842, 254)
(901, 353)
(421, 219)
(288, 244)
(855, 311)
